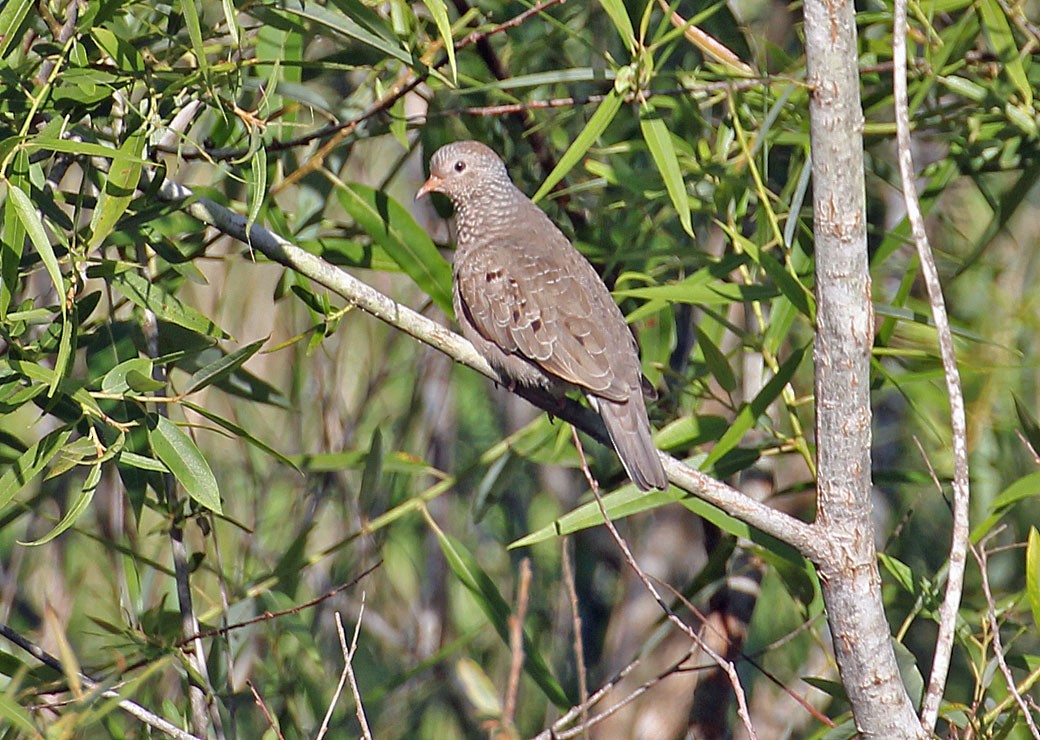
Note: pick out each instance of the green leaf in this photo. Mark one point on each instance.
(12, 240)
(257, 185)
(114, 382)
(750, 413)
(717, 363)
(123, 177)
(900, 571)
(11, 17)
(622, 23)
(194, 24)
(593, 130)
(1002, 40)
(659, 142)
(164, 305)
(30, 464)
(1021, 489)
(245, 435)
(1033, 574)
(86, 495)
(11, 712)
(34, 228)
(489, 599)
(439, 11)
(619, 504)
(178, 452)
(222, 367)
(394, 229)
(1030, 428)
(346, 26)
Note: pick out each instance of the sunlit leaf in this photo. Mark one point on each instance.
(178, 453)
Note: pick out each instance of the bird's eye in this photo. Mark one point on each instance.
(460, 166)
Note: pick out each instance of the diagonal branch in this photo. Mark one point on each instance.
(958, 425)
(777, 523)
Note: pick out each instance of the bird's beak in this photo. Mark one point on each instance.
(433, 185)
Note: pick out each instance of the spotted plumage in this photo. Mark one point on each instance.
(534, 306)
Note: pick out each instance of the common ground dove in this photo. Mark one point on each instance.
(534, 306)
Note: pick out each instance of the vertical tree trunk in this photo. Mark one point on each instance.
(844, 334)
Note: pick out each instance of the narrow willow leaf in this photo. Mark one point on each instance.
(223, 367)
(243, 434)
(750, 413)
(346, 26)
(489, 599)
(622, 503)
(164, 305)
(34, 228)
(1002, 39)
(394, 229)
(30, 464)
(11, 17)
(439, 11)
(622, 23)
(659, 142)
(11, 711)
(190, 12)
(1030, 427)
(257, 185)
(593, 130)
(179, 453)
(1033, 574)
(717, 363)
(86, 495)
(123, 177)
(12, 240)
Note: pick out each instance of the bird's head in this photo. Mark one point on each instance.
(463, 170)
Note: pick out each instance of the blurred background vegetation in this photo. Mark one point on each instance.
(165, 388)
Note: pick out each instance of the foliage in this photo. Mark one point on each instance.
(158, 381)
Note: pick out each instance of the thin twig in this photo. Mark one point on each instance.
(263, 708)
(579, 648)
(348, 656)
(958, 425)
(998, 649)
(516, 642)
(342, 677)
(267, 616)
(725, 665)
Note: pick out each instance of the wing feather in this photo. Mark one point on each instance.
(551, 308)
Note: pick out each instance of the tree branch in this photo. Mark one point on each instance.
(848, 567)
(777, 523)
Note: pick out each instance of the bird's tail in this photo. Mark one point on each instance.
(629, 430)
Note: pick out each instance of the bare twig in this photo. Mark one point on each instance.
(348, 675)
(958, 425)
(725, 665)
(267, 616)
(579, 649)
(131, 708)
(516, 642)
(263, 708)
(359, 708)
(998, 649)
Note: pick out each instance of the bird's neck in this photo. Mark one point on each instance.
(489, 212)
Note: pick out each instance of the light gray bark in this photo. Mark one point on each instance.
(847, 561)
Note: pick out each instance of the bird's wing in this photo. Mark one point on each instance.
(550, 307)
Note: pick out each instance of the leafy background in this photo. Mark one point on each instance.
(160, 383)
